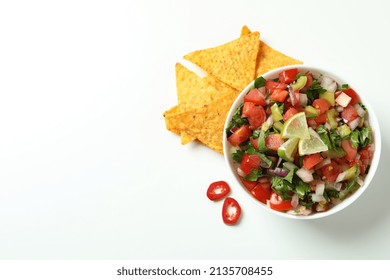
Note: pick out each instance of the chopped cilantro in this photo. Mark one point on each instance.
(259, 82)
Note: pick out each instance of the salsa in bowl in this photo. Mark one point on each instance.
(302, 142)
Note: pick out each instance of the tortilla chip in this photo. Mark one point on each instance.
(206, 122)
(269, 58)
(233, 63)
(194, 92)
(169, 122)
(245, 30)
(186, 137)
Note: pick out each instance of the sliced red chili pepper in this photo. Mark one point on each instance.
(218, 190)
(231, 211)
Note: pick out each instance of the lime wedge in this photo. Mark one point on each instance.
(312, 145)
(288, 149)
(296, 127)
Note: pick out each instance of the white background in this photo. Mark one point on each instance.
(87, 168)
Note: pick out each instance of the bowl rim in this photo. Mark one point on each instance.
(373, 121)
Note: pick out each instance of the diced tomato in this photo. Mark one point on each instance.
(231, 211)
(249, 185)
(321, 119)
(218, 190)
(250, 162)
(354, 96)
(322, 105)
(262, 192)
(273, 141)
(331, 171)
(256, 97)
(270, 85)
(349, 149)
(277, 203)
(341, 161)
(349, 113)
(366, 153)
(279, 95)
(316, 121)
(255, 114)
(240, 135)
(289, 113)
(362, 165)
(309, 81)
(288, 76)
(255, 143)
(310, 161)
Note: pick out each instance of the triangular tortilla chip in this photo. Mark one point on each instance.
(206, 122)
(233, 63)
(269, 58)
(194, 92)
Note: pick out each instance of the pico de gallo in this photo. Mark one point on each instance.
(292, 173)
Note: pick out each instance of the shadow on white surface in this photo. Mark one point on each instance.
(365, 214)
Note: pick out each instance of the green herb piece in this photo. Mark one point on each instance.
(254, 175)
(332, 193)
(282, 187)
(335, 138)
(302, 189)
(261, 142)
(344, 86)
(323, 132)
(237, 120)
(354, 137)
(314, 91)
(365, 137)
(265, 161)
(289, 176)
(259, 82)
(351, 187)
(237, 155)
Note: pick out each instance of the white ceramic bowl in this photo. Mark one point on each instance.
(372, 120)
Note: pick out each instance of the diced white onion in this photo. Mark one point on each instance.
(290, 165)
(360, 181)
(295, 201)
(305, 175)
(262, 90)
(300, 210)
(279, 161)
(327, 125)
(322, 163)
(329, 84)
(339, 109)
(240, 172)
(302, 99)
(354, 123)
(341, 176)
(343, 99)
(359, 109)
(337, 186)
(270, 120)
(263, 179)
(292, 96)
(357, 157)
(320, 187)
(317, 198)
